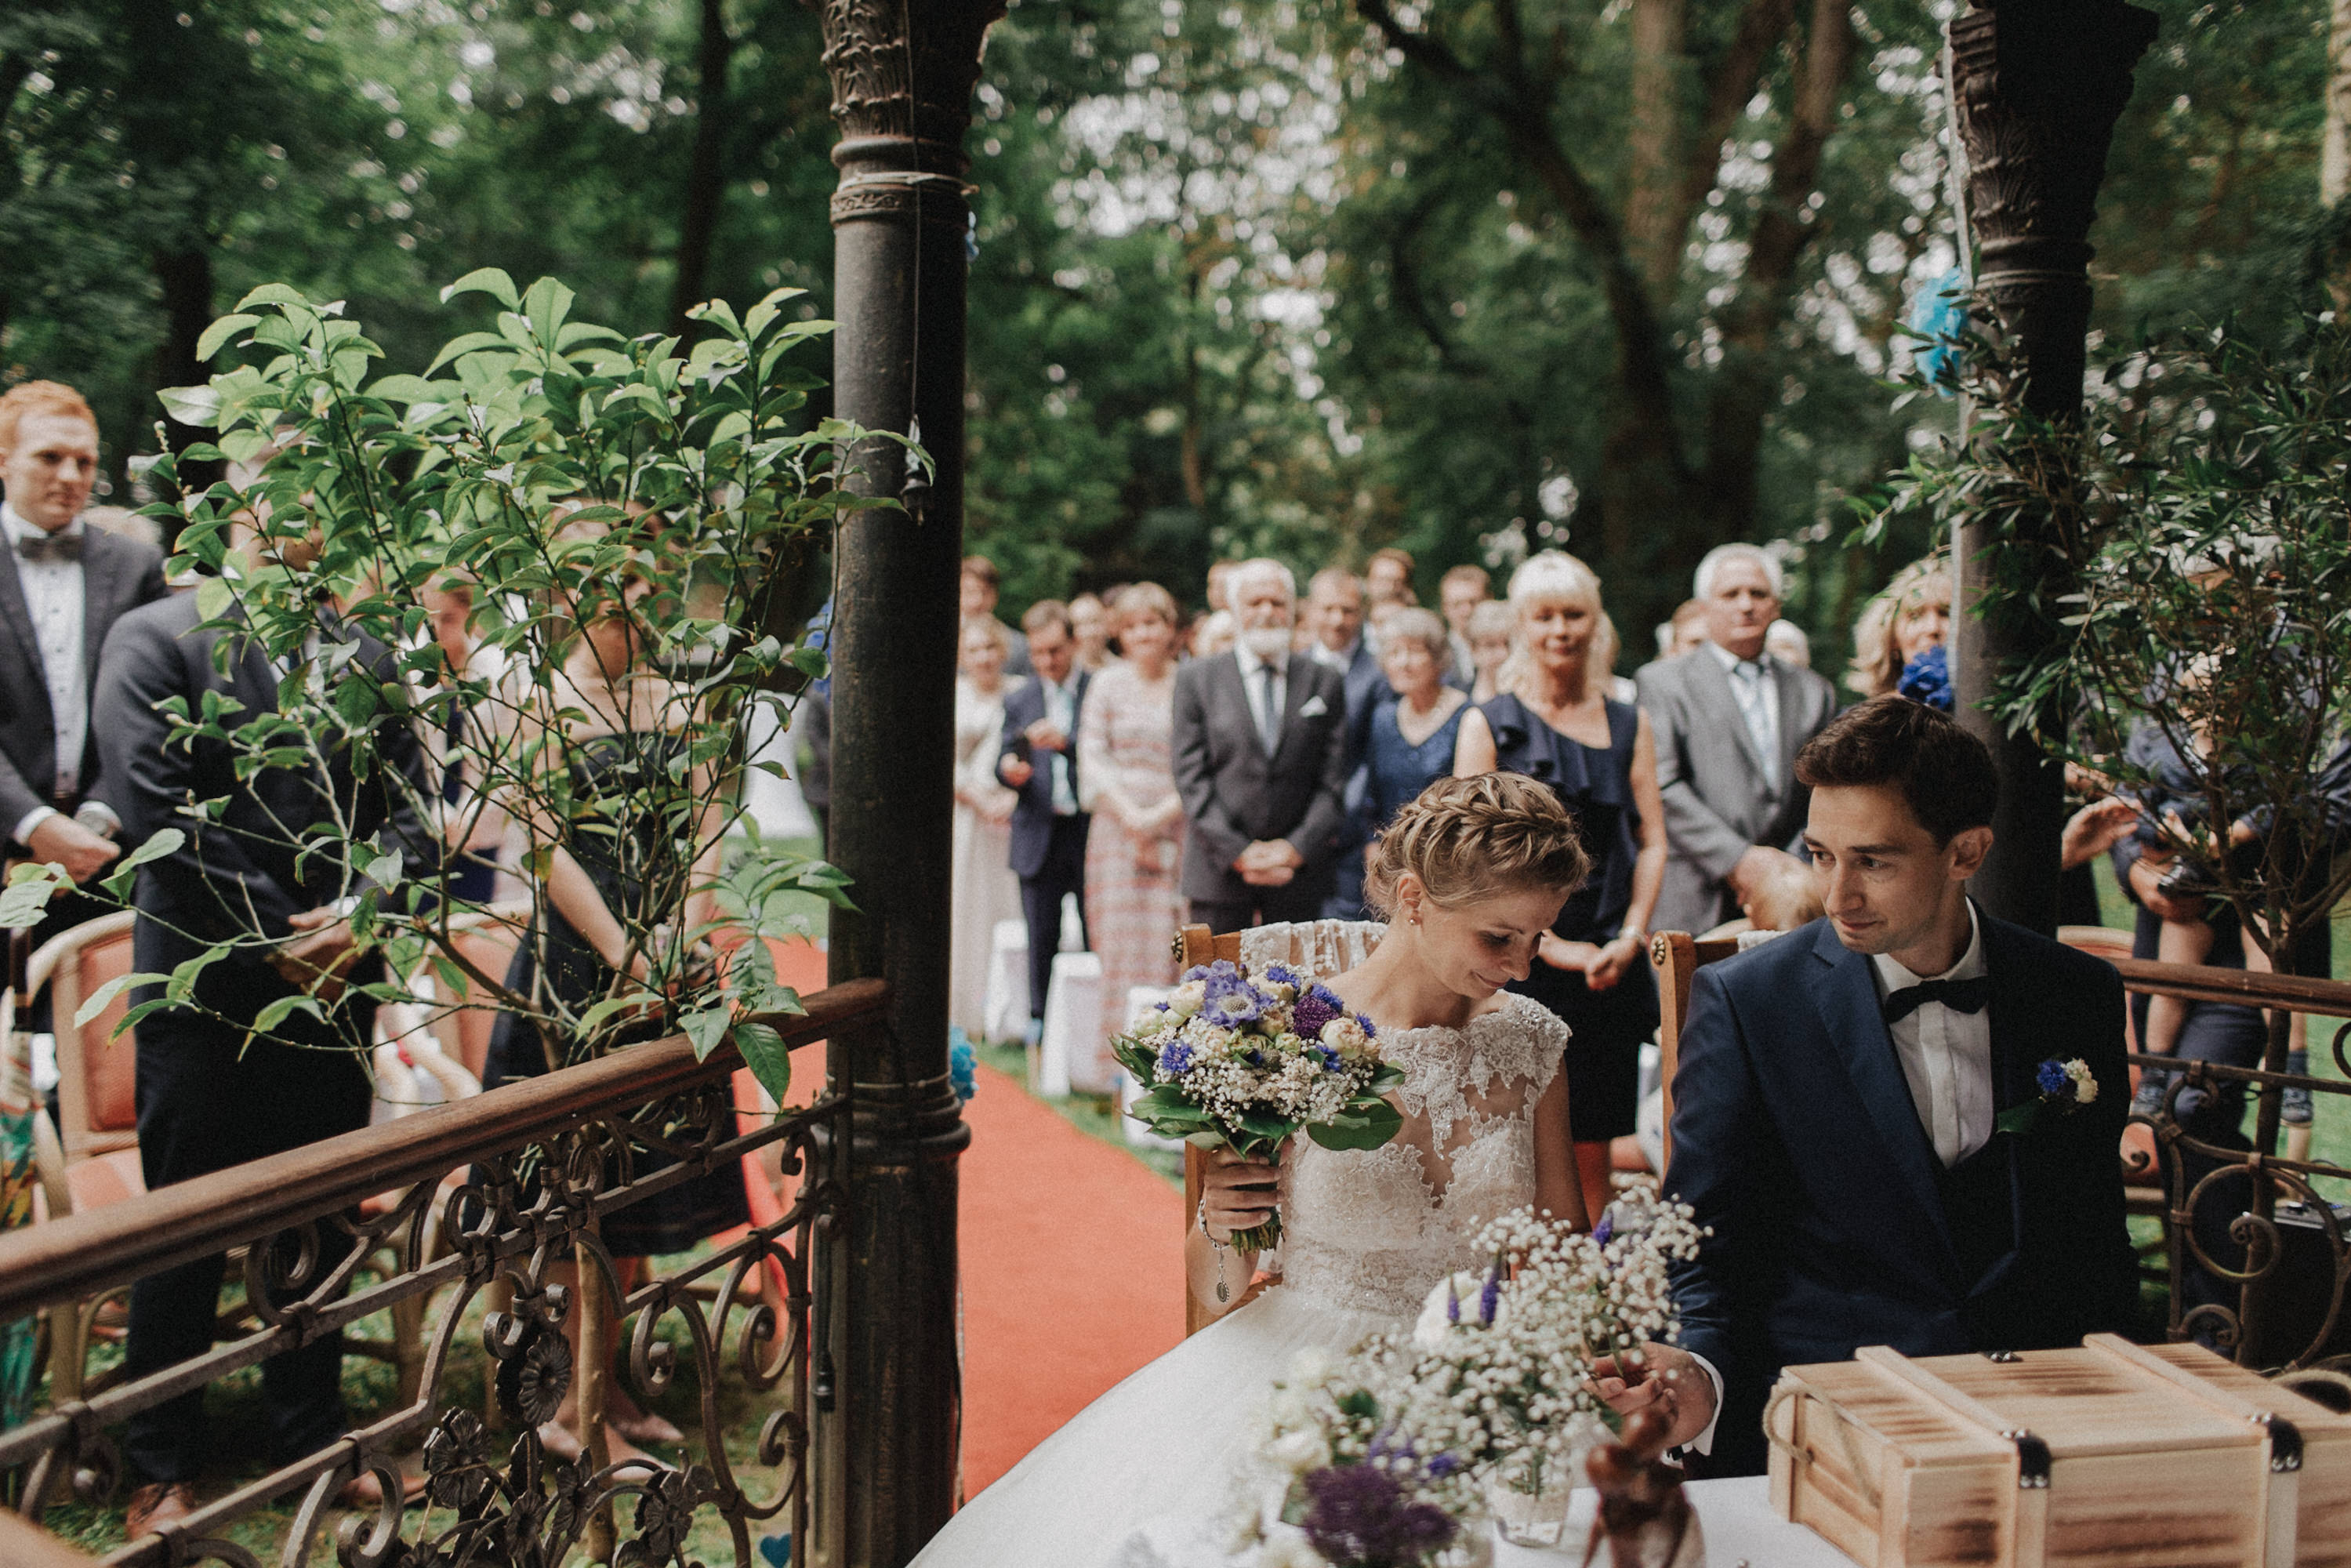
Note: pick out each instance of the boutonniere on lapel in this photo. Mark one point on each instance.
(2066, 1087)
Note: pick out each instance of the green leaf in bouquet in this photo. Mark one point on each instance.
(1210, 1140)
(1370, 1128)
(1273, 1129)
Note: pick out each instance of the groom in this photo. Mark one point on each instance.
(1835, 1103)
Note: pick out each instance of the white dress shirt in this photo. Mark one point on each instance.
(1945, 1054)
(1267, 697)
(1946, 1060)
(1758, 694)
(54, 599)
(1331, 658)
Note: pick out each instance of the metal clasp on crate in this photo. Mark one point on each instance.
(2285, 1442)
(2032, 1459)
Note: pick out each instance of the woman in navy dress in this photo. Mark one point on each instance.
(1413, 731)
(1554, 720)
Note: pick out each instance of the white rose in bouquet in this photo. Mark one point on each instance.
(1185, 1000)
(1345, 1035)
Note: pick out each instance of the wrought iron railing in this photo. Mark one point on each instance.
(2251, 1227)
(492, 1193)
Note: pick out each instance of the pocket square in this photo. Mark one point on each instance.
(1315, 707)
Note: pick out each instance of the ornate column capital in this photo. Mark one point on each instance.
(902, 73)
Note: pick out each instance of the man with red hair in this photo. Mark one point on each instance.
(62, 584)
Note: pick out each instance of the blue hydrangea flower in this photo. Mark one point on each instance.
(2051, 1078)
(1927, 679)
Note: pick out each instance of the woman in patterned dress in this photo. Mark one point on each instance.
(984, 891)
(1134, 852)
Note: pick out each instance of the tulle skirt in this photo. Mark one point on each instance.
(1150, 1472)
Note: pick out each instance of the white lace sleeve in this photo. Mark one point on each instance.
(1534, 1052)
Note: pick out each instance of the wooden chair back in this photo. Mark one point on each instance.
(98, 1079)
(1678, 956)
(1199, 944)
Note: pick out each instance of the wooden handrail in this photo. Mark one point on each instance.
(78, 1257)
(2242, 987)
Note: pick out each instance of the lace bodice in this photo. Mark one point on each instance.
(1372, 1230)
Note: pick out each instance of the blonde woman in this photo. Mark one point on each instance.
(1911, 616)
(1134, 854)
(1491, 625)
(1470, 876)
(985, 891)
(1558, 724)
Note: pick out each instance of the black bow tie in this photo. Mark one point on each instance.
(1963, 995)
(62, 548)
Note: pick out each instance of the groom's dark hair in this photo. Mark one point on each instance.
(1942, 772)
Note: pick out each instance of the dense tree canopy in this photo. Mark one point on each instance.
(1304, 275)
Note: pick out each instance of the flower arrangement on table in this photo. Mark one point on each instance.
(1246, 1062)
(1382, 1458)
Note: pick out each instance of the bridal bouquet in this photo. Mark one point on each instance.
(1245, 1063)
(1380, 1457)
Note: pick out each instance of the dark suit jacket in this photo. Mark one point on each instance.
(1796, 1139)
(1234, 793)
(1033, 815)
(239, 874)
(118, 575)
(1718, 803)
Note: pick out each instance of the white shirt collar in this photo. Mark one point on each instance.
(1731, 661)
(18, 528)
(1337, 658)
(1251, 663)
(1894, 976)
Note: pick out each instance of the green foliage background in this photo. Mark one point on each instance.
(1245, 281)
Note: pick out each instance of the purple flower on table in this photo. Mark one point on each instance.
(1175, 1058)
(1318, 1006)
(1360, 1514)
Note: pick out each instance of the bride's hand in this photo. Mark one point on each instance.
(1237, 1193)
(1670, 1382)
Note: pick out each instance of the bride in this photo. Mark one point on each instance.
(1471, 875)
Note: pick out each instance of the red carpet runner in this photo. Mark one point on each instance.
(1072, 1261)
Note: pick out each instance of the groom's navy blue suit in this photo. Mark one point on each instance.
(1795, 1137)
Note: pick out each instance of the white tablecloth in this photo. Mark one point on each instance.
(1740, 1529)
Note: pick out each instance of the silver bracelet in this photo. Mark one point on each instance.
(1223, 1292)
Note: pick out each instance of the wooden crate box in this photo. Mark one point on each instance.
(2111, 1455)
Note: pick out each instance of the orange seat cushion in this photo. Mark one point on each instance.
(103, 1179)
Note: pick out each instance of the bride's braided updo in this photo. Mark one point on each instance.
(1467, 839)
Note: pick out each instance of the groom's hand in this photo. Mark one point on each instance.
(1668, 1381)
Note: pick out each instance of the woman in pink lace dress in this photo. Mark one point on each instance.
(1136, 849)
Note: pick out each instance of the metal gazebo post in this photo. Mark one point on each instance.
(903, 76)
(2039, 85)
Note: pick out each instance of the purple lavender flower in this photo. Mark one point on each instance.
(1606, 1228)
(1358, 1516)
(1491, 1296)
(1229, 1000)
(1369, 1032)
(1452, 1302)
(1315, 1009)
(1175, 1058)
(2051, 1078)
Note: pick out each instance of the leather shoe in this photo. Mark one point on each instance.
(364, 1490)
(157, 1504)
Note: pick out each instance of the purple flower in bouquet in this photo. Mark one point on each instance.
(1606, 1228)
(1359, 1514)
(1318, 1006)
(1229, 1000)
(1176, 1056)
(1283, 975)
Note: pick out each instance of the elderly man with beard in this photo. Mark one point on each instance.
(1260, 760)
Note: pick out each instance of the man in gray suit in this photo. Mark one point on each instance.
(1260, 760)
(63, 584)
(1729, 719)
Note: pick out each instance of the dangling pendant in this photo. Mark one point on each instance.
(1223, 1295)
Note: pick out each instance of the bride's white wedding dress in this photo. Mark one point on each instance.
(1143, 1474)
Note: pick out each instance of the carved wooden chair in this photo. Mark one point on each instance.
(1318, 947)
(1678, 956)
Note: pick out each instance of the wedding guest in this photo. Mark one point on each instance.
(1911, 615)
(1135, 855)
(1685, 632)
(1730, 718)
(470, 823)
(63, 584)
(1261, 759)
(978, 590)
(1412, 734)
(1089, 622)
(1458, 594)
(1387, 577)
(984, 890)
(1785, 641)
(1333, 625)
(1491, 627)
(1214, 634)
(1558, 724)
(1219, 573)
(1839, 1102)
(1040, 760)
(266, 872)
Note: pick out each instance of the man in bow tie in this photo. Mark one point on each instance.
(62, 585)
(1260, 744)
(1839, 1107)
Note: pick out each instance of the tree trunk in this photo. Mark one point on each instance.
(1653, 224)
(186, 277)
(705, 183)
(2335, 151)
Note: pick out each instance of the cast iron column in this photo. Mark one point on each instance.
(2040, 84)
(902, 73)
